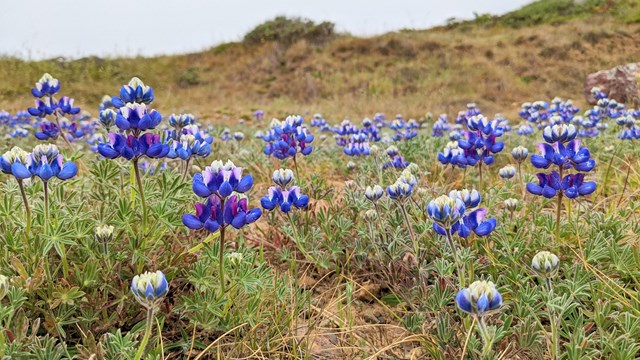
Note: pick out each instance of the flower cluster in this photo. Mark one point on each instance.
(288, 138)
(282, 195)
(440, 126)
(453, 213)
(479, 142)
(133, 117)
(222, 184)
(46, 104)
(150, 288)
(564, 152)
(396, 160)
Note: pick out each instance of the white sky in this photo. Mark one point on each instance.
(36, 29)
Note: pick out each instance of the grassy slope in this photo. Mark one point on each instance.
(488, 61)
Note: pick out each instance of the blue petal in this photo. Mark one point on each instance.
(68, 171)
(20, 171)
(191, 222)
(462, 300)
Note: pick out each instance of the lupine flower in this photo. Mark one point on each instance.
(525, 129)
(286, 199)
(137, 117)
(282, 177)
(507, 172)
(48, 131)
(15, 162)
(46, 86)
(212, 217)
(46, 162)
(559, 133)
(520, 153)
(221, 179)
(545, 263)
(287, 138)
(480, 298)
(130, 147)
(238, 136)
(107, 118)
(282, 196)
(181, 120)
(511, 204)
(259, 115)
(105, 103)
(374, 193)
(453, 154)
(446, 210)
(150, 288)
(570, 156)
(370, 216)
(104, 233)
(449, 213)
(187, 147)
(399, 190)
(134, 92)
(470, 198)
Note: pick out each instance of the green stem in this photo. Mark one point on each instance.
(297, 239)
(141, 191)
(221, 261)
(26, 207)
(416, 246)
(606, 176)
(455, 258)
(626, 181)
(147, 334)
(486, 339)
(186, 170)
(46, 206)
(521, 179)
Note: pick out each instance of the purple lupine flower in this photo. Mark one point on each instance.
(46, 162)
(221, 179)
(212, 217)
(134, 92)
(15, 162)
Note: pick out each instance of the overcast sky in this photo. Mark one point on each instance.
(36, 29)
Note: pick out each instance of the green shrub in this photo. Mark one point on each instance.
(287, 31)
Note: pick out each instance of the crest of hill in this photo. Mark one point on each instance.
(290, 65)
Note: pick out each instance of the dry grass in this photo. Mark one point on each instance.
(436, 70)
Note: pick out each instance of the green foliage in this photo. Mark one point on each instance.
(286, 31)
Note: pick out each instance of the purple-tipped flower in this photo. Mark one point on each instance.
(137, 117)
(221, 179)
(212, 217)
(48, 131)
(107, 118)
(129, 146)
(46, 162)
(288, 138)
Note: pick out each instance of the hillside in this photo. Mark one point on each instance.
(498, 62)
